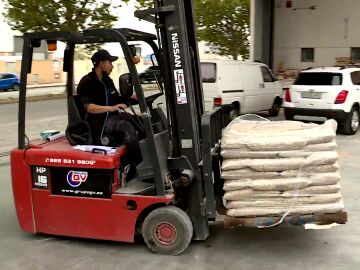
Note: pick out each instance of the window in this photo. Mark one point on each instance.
(355, 55)
(355, 77)
(267, 76)
(209, 48)
(307, 54)
(318, 78)
(10, 66)
(208, 72)
(8, 76)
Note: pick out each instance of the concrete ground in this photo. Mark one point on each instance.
(245, 248)
(276, 248)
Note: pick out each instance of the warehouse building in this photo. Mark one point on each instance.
(297, 34)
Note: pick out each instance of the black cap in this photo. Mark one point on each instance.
(102, 55)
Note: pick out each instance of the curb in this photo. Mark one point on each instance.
(11, 100)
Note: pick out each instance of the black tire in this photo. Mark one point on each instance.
(275, 109)
(167, 230)
(16, 87)
(230, 114)
(288, 115)
(351, 125)
(233, 113)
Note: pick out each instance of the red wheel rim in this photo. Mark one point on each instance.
(165, 233)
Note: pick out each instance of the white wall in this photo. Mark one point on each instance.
(7, 40)
(331, 29)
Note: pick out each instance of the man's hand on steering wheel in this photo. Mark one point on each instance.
(118, 107)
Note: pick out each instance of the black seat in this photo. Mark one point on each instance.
(79, 106)
(78, 130)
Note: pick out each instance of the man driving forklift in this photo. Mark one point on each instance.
(104, 108)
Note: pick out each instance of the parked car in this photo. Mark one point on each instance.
(9, 81)
(322, 93)
(148, 75)
(240, 87)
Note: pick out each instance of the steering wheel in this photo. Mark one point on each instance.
(149, 99)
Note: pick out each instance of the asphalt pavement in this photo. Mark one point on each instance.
(35, 92)
(277, 248)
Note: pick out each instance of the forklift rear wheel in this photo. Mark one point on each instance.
(167, 230)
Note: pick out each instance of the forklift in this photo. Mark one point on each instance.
(177, 191)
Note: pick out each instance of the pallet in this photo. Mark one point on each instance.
(292, 219)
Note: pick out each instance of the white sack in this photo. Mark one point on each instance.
(268, 184)
(279, 135)
(280, 164)
(283, 184)
(330, 146)
(285, 202)
(250, 193)
(249, 173)
(328, 189)
(236, 154)
(305, 209)
(323, 179)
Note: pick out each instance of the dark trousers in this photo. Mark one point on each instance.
(124, 131)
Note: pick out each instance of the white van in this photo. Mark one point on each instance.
(240, 87)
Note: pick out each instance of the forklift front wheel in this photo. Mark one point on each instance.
(167, 230)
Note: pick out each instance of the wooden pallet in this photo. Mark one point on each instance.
(293, 219)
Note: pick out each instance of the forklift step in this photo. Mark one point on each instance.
(137, 187)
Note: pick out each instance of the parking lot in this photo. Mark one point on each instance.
(244, 248)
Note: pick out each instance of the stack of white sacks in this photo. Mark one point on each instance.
(277, 168)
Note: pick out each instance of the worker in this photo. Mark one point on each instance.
(105, 107)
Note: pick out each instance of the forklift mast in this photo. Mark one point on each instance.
(194, 134)
(180, 61)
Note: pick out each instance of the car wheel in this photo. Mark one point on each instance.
(16, 87)
(288, 115)
(274, 111)
(351, 124)
(167, 230)
(233, 113)
(230, 114)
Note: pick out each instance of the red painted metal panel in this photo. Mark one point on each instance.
(61, 154)
(22, 185)
(39, 211)
(108, 219)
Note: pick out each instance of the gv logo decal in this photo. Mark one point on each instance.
(75, 178)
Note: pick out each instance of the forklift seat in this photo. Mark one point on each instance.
(78, 130)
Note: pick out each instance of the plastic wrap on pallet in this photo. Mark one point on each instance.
(280, 135)
(249, 173)
(236, 153)
(281, 210)
(280, 168)
(283, 184)
(281, 164)
(281, 201)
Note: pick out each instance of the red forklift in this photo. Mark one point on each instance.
(177, 190)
